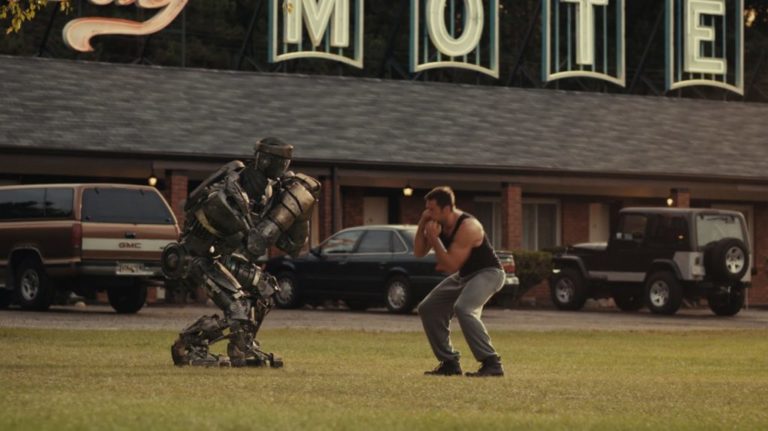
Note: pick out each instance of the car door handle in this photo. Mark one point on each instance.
(130, 235)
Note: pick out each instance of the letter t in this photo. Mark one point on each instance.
(585, 29)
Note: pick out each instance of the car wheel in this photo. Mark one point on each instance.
(34, 290)
(567, 289)
(288, 296)
(663, 293)
(127, 299)
(356, 305)
(628, 299)
(399, 297)
(726, 301)
(727, 260)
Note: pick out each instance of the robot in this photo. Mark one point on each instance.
(233, 218)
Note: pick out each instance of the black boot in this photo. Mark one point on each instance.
(446, 368)
(491, 368)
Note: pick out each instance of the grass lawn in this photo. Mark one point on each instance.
(335, 380)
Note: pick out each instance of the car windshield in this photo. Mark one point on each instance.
(714, 227)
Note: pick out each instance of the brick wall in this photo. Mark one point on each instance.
(538, 295)
(511, 217)
(326, 208)
(574, 222)
(177, 190)
(758, 295)
(682, 198)
(411, 208)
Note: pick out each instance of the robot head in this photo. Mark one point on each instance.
(272, 156)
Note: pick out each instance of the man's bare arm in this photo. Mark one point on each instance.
(470, 235)
(420, 244)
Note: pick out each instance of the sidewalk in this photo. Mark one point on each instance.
(174, 318)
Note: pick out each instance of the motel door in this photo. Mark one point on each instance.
(375, 210)
(599, 222)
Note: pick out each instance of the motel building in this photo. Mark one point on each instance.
(539, 168)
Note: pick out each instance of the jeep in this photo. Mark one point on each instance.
(82, 238)
(656, 258)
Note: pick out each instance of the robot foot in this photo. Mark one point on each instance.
(185, 355)
(275, 361)
(253, 357)
(271, 361)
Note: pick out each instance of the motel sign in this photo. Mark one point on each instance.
(580, 38)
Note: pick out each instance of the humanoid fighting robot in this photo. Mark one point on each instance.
(232, 218)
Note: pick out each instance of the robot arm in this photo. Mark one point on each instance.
(203, 190)
(292, 206)
(294, 238)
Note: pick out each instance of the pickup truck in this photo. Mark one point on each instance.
(56, 238)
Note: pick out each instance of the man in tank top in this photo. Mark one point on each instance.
(462, 250)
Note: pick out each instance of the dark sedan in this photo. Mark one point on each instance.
(365, 266)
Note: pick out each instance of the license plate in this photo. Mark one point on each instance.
(132, 268)
(511, 279)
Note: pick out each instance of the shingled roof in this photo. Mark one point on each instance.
(162, 111)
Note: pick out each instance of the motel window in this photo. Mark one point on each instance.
(541, 224)
(488, 213)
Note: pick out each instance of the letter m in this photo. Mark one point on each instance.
(317, 14)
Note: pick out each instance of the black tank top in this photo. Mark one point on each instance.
(480, 257)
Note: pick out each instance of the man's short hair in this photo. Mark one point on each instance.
(443, 197)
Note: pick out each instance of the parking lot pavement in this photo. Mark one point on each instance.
(174, 318)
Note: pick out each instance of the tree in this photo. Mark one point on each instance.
(16, 12)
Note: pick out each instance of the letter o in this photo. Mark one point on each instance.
(470, 36)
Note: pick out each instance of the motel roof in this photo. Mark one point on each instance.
(63, 106)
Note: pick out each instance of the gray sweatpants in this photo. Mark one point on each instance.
(464, 298)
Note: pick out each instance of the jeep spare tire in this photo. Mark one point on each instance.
(727, 260)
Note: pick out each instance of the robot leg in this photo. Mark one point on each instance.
(240, 316)
(191, 348)
(243, 348)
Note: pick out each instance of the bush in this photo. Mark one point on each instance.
(531, 268)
